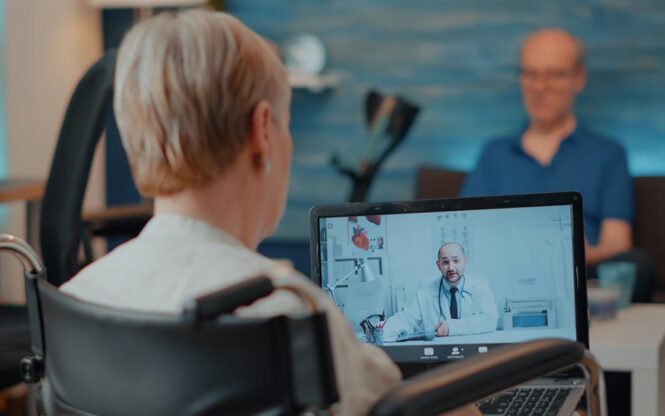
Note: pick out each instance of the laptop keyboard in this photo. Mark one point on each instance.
(526, 401)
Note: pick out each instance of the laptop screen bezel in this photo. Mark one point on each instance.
(572, 199)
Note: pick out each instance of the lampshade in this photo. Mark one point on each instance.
(131, 4)
(366, 273)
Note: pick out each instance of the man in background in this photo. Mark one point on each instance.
(554, 153)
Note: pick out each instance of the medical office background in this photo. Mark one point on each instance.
(457, 60)
(525, 255)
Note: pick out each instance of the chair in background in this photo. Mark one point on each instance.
(83, 125)
(434, 182)
(59, 234)
(649, 227)
(62, 230)
(90, 359)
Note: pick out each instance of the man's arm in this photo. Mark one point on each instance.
(485, 321)
(615, 237)
(616, 210)
(406, 320)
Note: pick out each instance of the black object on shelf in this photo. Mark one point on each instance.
(389, 119)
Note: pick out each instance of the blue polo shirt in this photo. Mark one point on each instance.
(589, 164)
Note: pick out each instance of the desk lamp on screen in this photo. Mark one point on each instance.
(365, 296)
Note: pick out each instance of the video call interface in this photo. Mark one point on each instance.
(440, 286)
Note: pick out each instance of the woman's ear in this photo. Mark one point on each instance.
(259, 139)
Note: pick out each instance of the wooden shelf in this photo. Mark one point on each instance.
(315, 83)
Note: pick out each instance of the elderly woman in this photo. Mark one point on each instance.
(202, 104)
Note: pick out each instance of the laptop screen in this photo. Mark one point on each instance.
(434, 281)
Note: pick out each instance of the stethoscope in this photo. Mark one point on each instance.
(459, 306)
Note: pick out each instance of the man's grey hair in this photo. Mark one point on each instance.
(580, 52)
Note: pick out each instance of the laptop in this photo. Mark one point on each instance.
(435, 281)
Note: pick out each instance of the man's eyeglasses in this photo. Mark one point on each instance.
(550, 76)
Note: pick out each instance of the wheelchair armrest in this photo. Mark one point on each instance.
(227, 300)
(466, 381)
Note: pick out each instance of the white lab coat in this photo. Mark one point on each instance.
(476, 306)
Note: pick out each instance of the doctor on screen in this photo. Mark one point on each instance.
(455, 304)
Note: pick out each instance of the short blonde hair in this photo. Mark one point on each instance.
(185, 87)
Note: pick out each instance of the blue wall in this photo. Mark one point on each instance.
(459, 61)
(3, 97)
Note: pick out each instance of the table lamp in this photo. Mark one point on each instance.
(366, 296)
(366, 275)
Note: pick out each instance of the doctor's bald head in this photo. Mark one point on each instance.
(452, 261)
